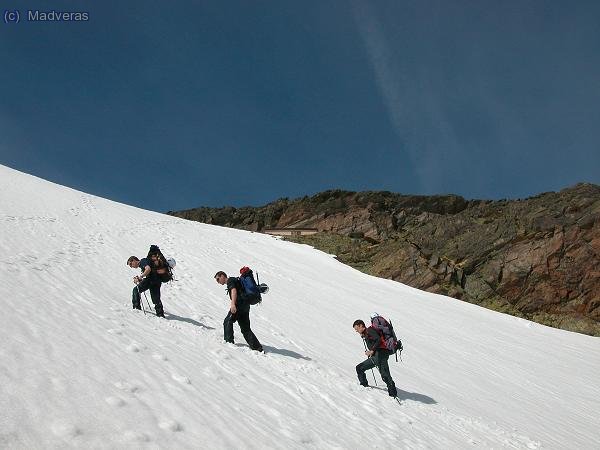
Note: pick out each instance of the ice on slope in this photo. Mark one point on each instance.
(81, 369)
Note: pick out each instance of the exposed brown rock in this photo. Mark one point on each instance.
(537, 258)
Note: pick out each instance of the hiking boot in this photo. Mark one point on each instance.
(259, 349)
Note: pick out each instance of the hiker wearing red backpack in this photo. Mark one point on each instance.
(377, 356)
(239, 311)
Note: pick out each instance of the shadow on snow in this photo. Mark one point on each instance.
(403, 395)
(280, 351)
(284, 352)
(170, 316)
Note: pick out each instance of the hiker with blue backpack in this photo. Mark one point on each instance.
(239, 308)
(377, 353)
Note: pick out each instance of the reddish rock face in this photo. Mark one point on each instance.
(537, 258)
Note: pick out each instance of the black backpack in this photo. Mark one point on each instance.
(160, 267)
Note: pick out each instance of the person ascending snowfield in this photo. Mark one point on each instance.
(239, 310)
(377, 356)
(149, 279)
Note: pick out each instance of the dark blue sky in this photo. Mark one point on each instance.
(172, 105)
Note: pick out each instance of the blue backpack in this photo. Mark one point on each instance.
(251, 291)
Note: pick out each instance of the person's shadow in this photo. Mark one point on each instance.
(170, 316)
(284, 352)
(403, 395)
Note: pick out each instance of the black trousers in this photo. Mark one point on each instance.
(242, 317)
(379, 360)
(154, 288)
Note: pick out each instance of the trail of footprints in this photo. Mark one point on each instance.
(129, 392)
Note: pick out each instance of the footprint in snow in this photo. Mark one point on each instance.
(213, 374)
(65, 430)
(115, 401)
(127, 387)
(181, 379)
(134, 347)
(136, 436)
(170, 425)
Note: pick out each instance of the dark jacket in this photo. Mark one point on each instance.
(234, 282)
(374, 340)
(153, 278)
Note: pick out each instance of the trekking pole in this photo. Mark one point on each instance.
(372, 371)
(141, 302)
(146, 297)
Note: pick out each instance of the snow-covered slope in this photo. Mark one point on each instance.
(80, 369)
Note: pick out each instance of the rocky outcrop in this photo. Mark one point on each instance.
(537, 258)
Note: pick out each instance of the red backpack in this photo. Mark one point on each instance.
(389, 340)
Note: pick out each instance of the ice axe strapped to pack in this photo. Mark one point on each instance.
(251, 290)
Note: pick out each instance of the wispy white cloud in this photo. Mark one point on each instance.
(380, 56)
(412, 107)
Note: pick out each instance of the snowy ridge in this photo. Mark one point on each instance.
(80, 369)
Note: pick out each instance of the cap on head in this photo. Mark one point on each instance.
(374, 315)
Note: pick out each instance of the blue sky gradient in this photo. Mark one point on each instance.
(173, 105)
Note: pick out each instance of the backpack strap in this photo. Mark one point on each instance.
(381, 338)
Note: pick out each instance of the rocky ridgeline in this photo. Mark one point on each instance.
(537, 258)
